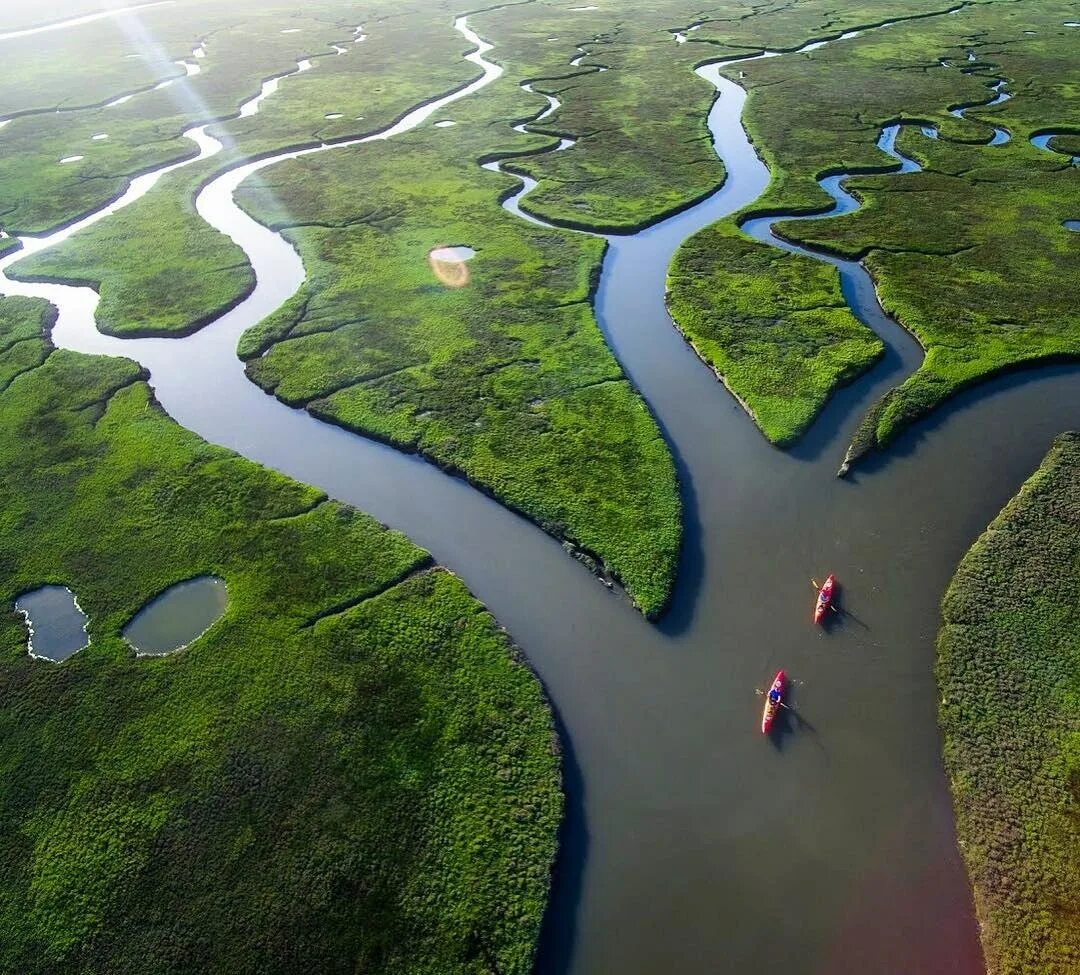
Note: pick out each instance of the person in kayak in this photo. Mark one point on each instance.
(774, 695)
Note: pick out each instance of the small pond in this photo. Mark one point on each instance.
(1073, 225)
(57, 626)
(452, 255)
(180, 615)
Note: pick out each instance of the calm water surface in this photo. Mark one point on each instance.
(692, 843)
(56, 625)
(178, 616)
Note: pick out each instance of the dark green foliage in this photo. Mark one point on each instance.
(772, 324)
(506, 378)
(970, 254)
(350, 771)
(1009, 672)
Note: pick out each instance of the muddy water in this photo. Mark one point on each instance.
(693, 844)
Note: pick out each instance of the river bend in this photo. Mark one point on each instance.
(691, 842)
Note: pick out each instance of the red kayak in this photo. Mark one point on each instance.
(771, 706)
(824, 599)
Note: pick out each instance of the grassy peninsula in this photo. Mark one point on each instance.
(501, 373)
(773, 325)
(351, 770)
(970, 254)
(1009, 672)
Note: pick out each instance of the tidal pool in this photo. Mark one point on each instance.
(57, 626)
(177, 617)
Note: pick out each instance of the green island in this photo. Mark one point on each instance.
(773, 325)
(1009, 672)
(351, 770)
(495, 369)
(970, 254)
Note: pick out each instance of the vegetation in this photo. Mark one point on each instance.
(505, 379)
(644, 148)
(351, 770)
(410, 53)
(772, 324)
(970, 254)
(189, 275)
(990, 289)
(1009, 671)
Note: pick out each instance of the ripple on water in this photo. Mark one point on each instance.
(177, 617)
(57, 627)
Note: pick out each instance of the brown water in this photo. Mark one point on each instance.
(692, 843)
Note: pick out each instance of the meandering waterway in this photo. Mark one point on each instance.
(692, 843)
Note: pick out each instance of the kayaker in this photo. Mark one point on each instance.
(774, 695)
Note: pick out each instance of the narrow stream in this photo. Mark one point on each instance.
(691, 842)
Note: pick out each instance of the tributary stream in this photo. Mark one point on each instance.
(692, 843)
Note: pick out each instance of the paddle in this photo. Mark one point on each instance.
(832, 606)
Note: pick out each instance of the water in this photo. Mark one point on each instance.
(56, 625)
(177, 617)
(453, 255)
(691, 842)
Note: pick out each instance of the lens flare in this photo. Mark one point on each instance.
(448, 264)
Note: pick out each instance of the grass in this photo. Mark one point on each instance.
(411, 52)
(1009, 671)
(644, 150)
(351, 770)
(507, 379)
(970, 255)
(159, 267)
(773, 325)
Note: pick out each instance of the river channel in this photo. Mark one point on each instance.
(692, 843)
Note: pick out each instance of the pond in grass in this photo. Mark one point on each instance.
(455, 255)
(57, 626)
(178, 616)
(1073, 225)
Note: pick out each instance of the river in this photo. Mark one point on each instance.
(691, 842)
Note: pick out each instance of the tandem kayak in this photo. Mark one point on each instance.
(771, 706)
(825, 598)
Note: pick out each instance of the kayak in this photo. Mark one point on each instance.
(771, 707)
(825, 598)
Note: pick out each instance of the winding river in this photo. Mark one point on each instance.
(691, 842)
